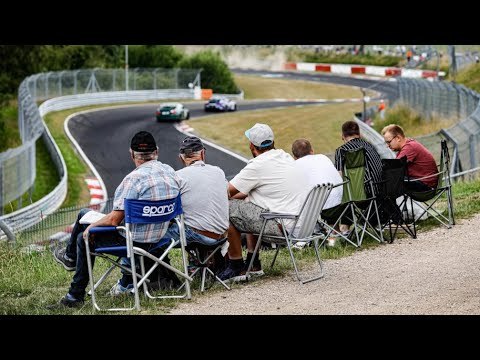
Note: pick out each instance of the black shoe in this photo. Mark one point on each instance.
(232, 273)
(61, 257)
(67, 301)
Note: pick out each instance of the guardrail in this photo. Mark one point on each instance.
(36, 212)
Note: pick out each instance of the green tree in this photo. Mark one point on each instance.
(148, 56)
(215, 74)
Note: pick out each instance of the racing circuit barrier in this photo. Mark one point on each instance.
(65, 90)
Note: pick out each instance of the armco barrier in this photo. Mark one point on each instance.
(34, 213)
(351, 69)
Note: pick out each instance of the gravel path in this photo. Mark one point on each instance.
(438, 273)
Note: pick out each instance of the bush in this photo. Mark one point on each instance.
(215, 74)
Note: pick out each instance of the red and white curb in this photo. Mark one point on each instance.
(348, 69)
(184, 127)
(97, 195)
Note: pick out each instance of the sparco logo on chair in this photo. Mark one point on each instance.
(158, 210)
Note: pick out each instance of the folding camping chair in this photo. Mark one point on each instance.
(356, 206)
(205, 257)
(141, 212)
(391, 188)
(307, 219)
(427, 199)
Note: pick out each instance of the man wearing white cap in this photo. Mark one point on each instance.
(269, 182)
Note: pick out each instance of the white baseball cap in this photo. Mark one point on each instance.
(260, 135)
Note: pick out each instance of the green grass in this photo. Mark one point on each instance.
(29, 282)
(256, 87)
(321, 124)
(413, 123)
(470, 77)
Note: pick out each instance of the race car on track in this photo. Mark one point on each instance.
(220, 104)
(172, 111)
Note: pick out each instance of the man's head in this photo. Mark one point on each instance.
(261, 137)
(191, 150)
(301, 148)
(394, 137)
(143, 147)
(350, 129)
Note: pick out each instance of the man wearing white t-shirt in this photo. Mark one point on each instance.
(269, 182)
(317, 169)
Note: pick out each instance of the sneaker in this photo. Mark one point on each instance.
(331, 241)
(119, 289)
(299, 245)
(67, 301)
(256, 269)
(60, 256)
(232, 274)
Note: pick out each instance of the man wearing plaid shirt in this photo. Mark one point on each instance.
(151, 180)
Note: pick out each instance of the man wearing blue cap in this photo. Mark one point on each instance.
(269, 182)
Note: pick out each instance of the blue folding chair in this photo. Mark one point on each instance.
(141, 212)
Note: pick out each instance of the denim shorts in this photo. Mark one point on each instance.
(245, 216)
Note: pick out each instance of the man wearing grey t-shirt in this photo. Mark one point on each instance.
(204, 191)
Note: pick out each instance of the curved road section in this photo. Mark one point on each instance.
(105, 135)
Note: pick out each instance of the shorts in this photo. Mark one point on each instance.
(245, 216)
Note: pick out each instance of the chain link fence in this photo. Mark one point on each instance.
(67, 89)
(447, 100)
(17, 166)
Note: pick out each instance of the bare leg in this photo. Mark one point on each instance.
(235, 240)
(251, 242)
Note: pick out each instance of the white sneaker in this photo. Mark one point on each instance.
(299, 245)
(118, 289)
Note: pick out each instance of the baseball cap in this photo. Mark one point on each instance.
(191, 144)
(143, 141)
(260, 135)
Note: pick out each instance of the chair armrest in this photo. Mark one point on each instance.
(341, 184)
(102, 229)
(273, 215)
(425, 177)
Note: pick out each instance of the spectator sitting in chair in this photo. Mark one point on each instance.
(353, 141)
(420, 161)
(317, 169)
(151, 180)
(269, 182)
(204, 191)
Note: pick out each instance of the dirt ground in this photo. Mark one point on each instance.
(437, 273)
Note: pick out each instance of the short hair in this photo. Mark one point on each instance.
(393, 129)
(265, 148)
(350, 128)
(145, 156)
(301, 148)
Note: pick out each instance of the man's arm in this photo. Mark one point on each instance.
(233, 193)
(114, 218)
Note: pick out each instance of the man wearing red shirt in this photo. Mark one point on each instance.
(420, 162)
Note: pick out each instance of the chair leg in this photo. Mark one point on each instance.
(257, 246)
(275, 257)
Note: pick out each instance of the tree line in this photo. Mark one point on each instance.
(19, 61)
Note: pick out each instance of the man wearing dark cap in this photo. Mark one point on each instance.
(204, 191)
(151, 180)
(269, 182)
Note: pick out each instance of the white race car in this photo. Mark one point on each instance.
(220, 104)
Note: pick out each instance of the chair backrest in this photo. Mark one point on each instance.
(311, 208)
(150, 212)
(393, 175)
(444, 166)
(354, 169)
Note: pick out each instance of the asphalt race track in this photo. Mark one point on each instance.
(105, 135)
